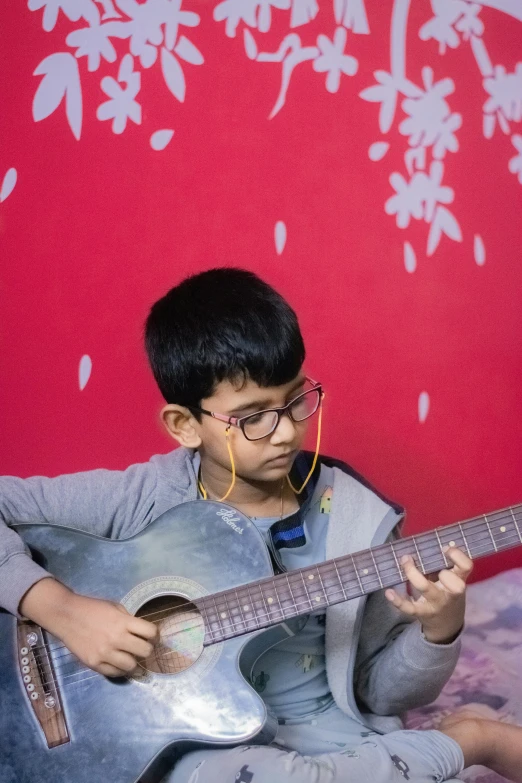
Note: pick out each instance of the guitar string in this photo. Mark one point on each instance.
(97, 674)
(268, 581)
(384, 549)
(219, 635)
(400, 543)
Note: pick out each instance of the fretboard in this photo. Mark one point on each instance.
(275, 599)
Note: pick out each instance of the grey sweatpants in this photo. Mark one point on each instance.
(331, 749)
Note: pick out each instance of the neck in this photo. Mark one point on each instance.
(251, 497)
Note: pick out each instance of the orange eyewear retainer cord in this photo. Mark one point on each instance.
(231, 487)
(314, 463)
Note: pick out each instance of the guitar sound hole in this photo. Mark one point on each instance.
(181, 634)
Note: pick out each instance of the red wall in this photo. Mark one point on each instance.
(99, 224)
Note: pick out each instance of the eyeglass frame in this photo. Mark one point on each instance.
(239, 421)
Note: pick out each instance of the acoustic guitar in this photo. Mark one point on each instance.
(203, 573)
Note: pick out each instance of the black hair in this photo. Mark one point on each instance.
(223, 324)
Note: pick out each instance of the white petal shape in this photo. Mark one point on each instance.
(61, 78)
(378, 150)
(479, 250)
(424, 406)
(188, 52)
(410, 260)
(173, 74)
(250, 44)
(8, 184)
(84, 371)
(280, 236)
(160, 139)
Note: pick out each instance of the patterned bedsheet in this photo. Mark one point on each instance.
(490, 667)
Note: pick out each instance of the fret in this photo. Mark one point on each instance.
(440, 545)
(339, 578)
(251, 607)
(396, 561)
(291, 594)
(465, 541)
(228, 615)
(322, 585)
(238, 599)
(307, 595)
(278, 601)
(490, 533)
(418, 554)
(516, 524)
(267, 611)
(357, 575)
(376, 569)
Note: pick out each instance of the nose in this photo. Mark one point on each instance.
(284, 432)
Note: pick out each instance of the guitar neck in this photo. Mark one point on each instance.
(273, 600)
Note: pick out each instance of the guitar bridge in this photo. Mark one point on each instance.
(39, 682)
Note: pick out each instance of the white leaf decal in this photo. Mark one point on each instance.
(188, 52)
(8, 184)
(280, 236)
(160, 139)
(433, 237)
(84, 371)
(479, 250)
(250, 44)
(173, 74)
(410, 260)
(378, 150)
(61, 78)
(449, 225)
(488, 125)
(424, 406)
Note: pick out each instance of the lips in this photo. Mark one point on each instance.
(282, 458)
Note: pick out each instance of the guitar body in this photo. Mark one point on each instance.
(118, 730)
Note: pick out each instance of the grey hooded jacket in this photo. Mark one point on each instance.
(378, 662)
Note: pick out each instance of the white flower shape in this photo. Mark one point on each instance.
(93, 42)
(505, 90)
(515, 164)
(145, 28)
(440, 26)
(174, 17)
(419, 197)
(469, 24)
(73, 10)
(121, 105)
(333, 60)
(430, 120)
(254, 13)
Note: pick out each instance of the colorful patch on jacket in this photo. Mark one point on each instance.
(325, 504)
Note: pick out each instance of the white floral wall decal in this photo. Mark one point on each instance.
(153, 30)
(430, 124)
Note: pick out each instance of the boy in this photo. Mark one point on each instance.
(227, 354)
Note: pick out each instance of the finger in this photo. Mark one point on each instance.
(452, 583)
(122, 660)
(401, 603)
(414, 576)
(110, 671)
(138, 647)
(463, 565)
(143, 628)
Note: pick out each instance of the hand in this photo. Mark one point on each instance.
(102, 634)
(440, 607)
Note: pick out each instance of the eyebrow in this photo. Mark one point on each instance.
(262, 404)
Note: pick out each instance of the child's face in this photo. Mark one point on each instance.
(267, 459)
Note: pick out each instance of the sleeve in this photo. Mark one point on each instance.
(400, 669)
(113, 504)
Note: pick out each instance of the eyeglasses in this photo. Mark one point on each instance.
(263, 423)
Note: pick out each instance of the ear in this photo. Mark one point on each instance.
(181, 425)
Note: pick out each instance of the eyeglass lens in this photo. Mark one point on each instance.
(259, 425)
